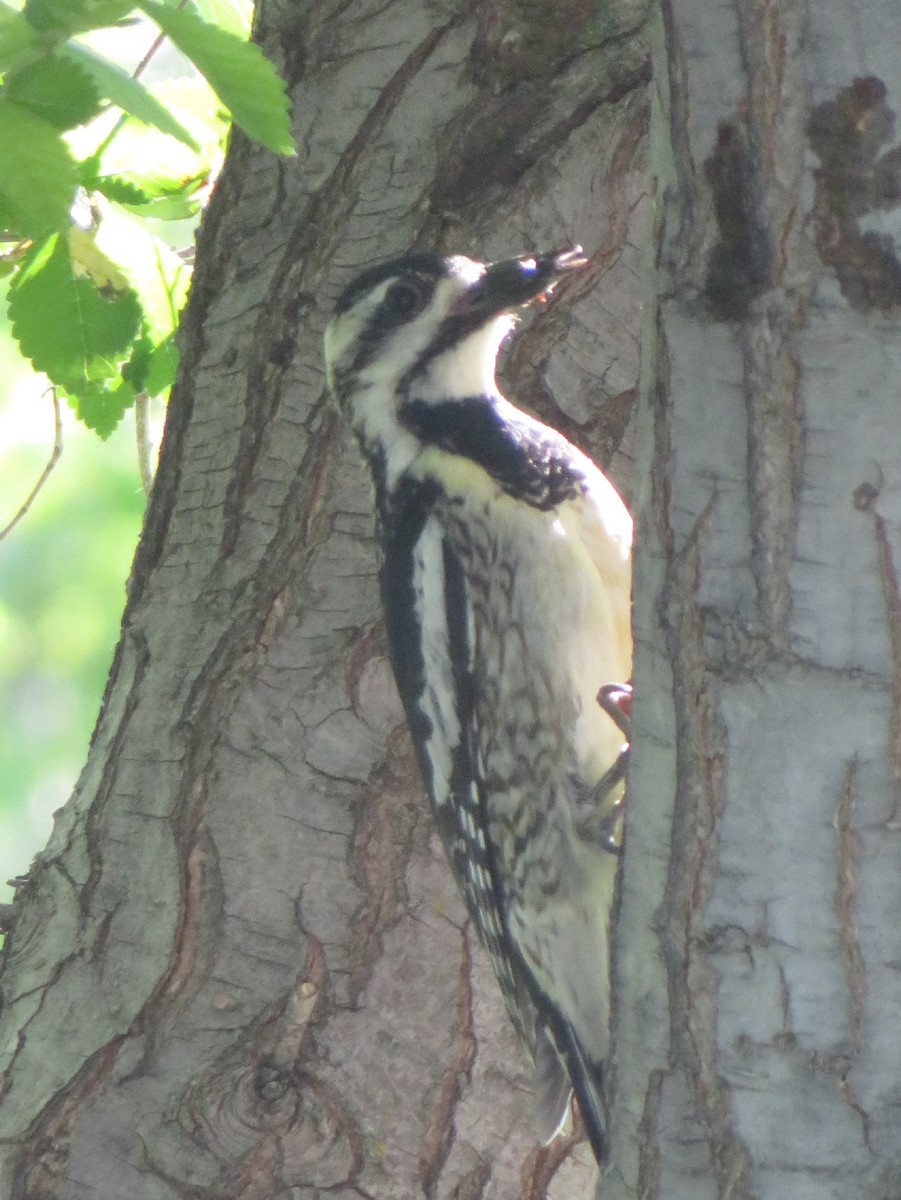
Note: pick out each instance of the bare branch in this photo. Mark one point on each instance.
(142, 440)
(55, 455)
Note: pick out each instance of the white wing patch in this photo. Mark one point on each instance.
(438, 699)
(438, 702)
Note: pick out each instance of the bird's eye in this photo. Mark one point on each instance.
(404, 299)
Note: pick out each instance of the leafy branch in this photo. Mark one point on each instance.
(101, 174)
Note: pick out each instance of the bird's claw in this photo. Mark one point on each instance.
(616, 701)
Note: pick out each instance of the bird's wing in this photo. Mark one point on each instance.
(431, 629)
(431, 626)
(430, 633)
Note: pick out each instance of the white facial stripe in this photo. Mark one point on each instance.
(373, 396)
(467, 369)
(342, 334)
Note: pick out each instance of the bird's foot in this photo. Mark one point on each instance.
(616, 701)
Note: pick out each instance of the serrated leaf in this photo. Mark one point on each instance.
(129, 95)
(242, 77)
(56, 89)
(137, 188)
(64, 325)
(114, 187)
(100, 406)
(148, 158)
(168, 208)
(39, 178)
(163, 200)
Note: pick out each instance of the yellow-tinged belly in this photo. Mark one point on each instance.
(550, 592)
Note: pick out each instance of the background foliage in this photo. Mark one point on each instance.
(62, 574)
(106, 170)
(96, 184)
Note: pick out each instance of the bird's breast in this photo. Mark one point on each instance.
(550, 625)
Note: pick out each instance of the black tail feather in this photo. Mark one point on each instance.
(575, 1070)
(588, 1084)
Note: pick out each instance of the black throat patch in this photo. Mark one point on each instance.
(518, 457)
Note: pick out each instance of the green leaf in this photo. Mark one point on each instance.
(245, 81)
(100, 406)
(169, 175)
(119, 87)
(17, 36)
(152, 368)
(57, 89)
(134, 372)
(67, 17)
(161, 199)
(114, 187)
(232, 15)
(169, 208)
(161, 368)
(64, 325)
(39, 179)
(153, 270)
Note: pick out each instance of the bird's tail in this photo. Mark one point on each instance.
(563, 1067)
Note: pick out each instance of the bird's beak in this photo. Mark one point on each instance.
(518, 281)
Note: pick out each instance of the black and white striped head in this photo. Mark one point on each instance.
(426, 328)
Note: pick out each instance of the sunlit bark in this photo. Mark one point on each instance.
(240, 968)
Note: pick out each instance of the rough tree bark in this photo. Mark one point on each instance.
(757, 1044)
(240, 968)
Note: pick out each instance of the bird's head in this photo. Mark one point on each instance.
(427, 328)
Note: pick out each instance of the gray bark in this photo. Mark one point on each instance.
(757, 1044)
(240, 968)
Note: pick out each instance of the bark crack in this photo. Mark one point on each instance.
(865, 497)
(305, 253)
(847, 882)
(438, 1134)
(700, 760)
(380, 850)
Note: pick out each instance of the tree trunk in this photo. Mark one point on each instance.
(240, 968)
(757, 1044)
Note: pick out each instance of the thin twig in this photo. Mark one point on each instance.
(142, 438)
(136, 74)
(155, 45)
(54, 458)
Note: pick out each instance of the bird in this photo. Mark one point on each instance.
(505, 575)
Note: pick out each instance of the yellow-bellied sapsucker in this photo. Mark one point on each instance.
(506, 585)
